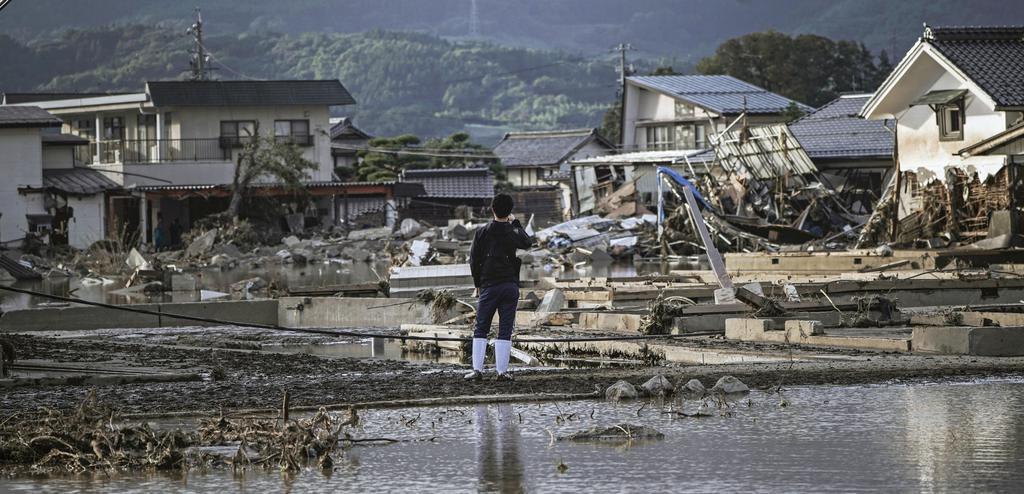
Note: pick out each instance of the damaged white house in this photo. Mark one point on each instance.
(958, 101)
(44, 194)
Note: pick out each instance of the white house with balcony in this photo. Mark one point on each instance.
(175, 144)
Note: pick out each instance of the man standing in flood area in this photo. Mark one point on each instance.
(495, 268)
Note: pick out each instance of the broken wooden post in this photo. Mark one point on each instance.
(764, 306)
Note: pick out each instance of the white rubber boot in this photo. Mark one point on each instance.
(502, 352)
(479, 352)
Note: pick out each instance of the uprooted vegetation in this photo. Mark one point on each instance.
(92, 437)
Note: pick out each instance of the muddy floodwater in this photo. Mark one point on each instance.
(919, 436)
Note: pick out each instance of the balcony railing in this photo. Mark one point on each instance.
(171, 150)
(156, 150)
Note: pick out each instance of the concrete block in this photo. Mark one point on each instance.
(988, 341)
(553, 301)
(745, 329)
(798, 330)
(610, 322)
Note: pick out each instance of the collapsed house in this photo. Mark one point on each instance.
(958, 101)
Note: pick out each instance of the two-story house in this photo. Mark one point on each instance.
(176, 143)
(43, 192)
(958, 101)
(680, 111)
(956, 87)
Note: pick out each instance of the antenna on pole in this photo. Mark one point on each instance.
(199, 60)
(474, 20)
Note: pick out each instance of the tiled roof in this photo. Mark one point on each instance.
(27, 116)
(248, 93)
(77, 181)
(719, 93)
(453, 182)
(993, 57)
(835, 131)
(551, 148)
(343, 129)
(18, 98)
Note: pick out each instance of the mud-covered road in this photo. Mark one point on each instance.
(244, 380)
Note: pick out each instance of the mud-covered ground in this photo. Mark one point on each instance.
(242, 379)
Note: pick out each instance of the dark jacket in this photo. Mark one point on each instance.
(493, 255)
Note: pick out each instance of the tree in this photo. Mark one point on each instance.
(266, 158)
(665, 70)
(406, 153)
(792, 112)
(611, 123)
(808, 68)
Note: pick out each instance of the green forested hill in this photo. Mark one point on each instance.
(403, 82)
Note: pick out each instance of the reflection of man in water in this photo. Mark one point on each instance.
(499, 467)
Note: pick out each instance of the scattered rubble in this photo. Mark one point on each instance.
(658, 385)
(615, 433)
(728, 385)
(621, 391)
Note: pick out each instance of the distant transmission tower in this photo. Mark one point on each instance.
(199, 60)
(474, 20)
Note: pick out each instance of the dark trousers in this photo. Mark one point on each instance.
(503, 299)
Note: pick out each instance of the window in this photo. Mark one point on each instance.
(293, 131)
(951, 122)
(113, 129)
(659, 137)
(235, 133)
(702, 137)
(84, 128)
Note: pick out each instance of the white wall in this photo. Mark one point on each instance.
(204, 122)
(918, 135)
(58, 157)
(86, 226)
(21, 159)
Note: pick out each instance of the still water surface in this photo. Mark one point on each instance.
(918, 437)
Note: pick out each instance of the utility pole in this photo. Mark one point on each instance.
(198, 60)
(474, 20)
(624, 71)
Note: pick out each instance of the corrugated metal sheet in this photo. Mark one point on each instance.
(768, 152)
(77, 181)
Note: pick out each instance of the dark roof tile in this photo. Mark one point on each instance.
(551, 148)
(27, 116)
(248, 93)
(453, 182)
(993, 57)
(835, 131)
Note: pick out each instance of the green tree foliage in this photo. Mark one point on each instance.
(807, 68)
(402, 82)
(409, 152)
(265, 158)
(611, 123)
